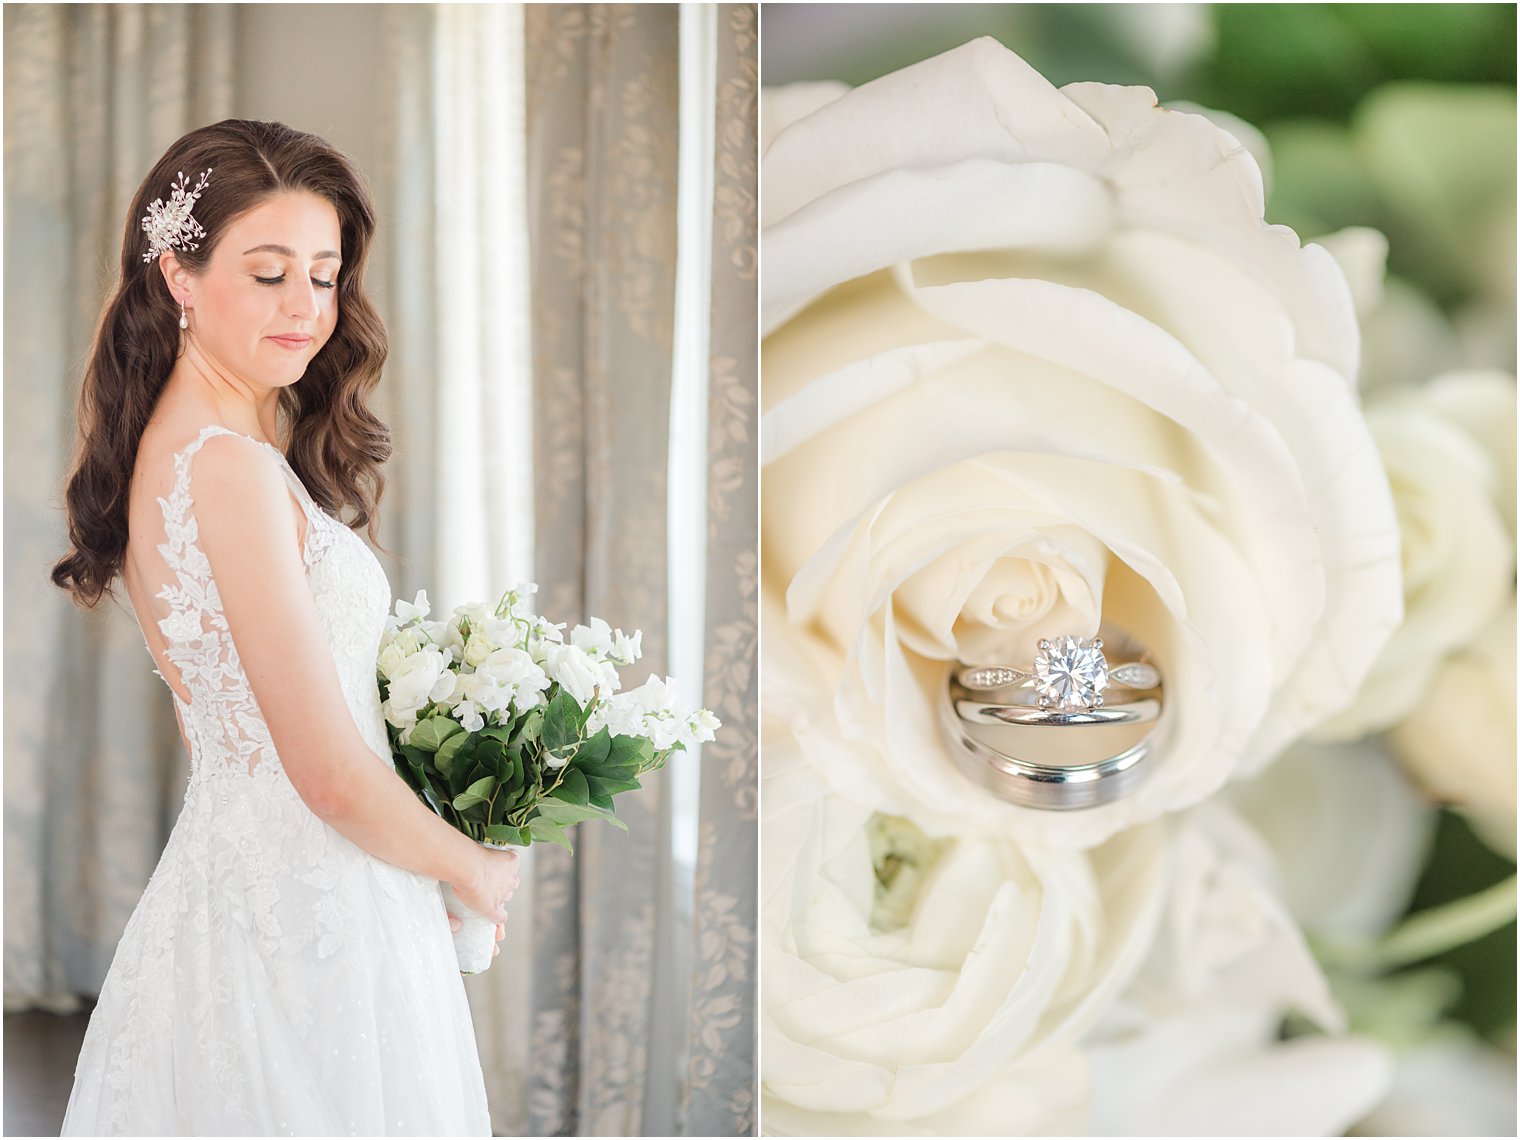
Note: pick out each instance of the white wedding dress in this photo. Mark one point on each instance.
(275, 979)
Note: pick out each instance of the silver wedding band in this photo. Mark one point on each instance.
(1043, 784)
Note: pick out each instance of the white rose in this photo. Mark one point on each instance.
(963, 1021)
(1449, 486)
(975, 986)
(422, 677)
(1193, 1046)
(1034, 359)
(1460, 742)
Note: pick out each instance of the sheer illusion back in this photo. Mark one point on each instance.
(198, 658)
(275, 978)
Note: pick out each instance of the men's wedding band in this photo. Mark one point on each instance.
(1053, 787)
(982, 712)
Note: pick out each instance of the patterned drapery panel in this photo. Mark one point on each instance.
(94, 769)
(602, 107)
(720, 1080)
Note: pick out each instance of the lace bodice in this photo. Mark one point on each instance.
(276, 978)
(223, 724)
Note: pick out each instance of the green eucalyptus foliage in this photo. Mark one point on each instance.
(523, 782)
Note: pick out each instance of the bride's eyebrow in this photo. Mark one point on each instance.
(286, 251)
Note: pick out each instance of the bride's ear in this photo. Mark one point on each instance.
(176, 276)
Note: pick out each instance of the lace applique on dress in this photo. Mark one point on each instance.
(275, 979)
(222, 720)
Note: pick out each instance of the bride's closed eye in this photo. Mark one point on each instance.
(317, 281)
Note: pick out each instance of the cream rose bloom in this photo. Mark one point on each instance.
(1449, 449)
(1133, 988)
(1460, 742)
(1034, 359)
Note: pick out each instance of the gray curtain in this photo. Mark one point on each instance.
(602, 110)
(720, 1079)
(94, 771)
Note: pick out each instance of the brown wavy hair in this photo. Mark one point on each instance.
(337, 446)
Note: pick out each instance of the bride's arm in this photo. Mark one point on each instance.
(244, 511)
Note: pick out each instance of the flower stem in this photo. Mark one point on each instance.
(1453, 924)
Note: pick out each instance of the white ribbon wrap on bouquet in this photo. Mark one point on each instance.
(476, 934)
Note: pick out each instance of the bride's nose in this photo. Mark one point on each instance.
(301, 300)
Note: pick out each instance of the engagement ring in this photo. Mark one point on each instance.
(1068, 673)
(1064, 688)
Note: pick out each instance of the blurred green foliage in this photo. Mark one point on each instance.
(1459, 865)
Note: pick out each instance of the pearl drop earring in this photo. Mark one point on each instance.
(184, 321)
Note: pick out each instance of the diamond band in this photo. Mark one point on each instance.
(1064, 687)
(1068, 673)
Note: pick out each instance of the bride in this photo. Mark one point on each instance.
(289, 970)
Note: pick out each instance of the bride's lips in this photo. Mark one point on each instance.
(292, 340)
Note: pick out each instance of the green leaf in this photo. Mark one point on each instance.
(449, 750)
(564, 813)
(561, 723)
(430, 734)
(602, 801)
(626, 750)
(476, 793)
(606, 786)
(530, 727)
(594, 752)
(547, 831)
(505, 833)
(572, 788)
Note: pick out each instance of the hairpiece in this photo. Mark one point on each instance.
(171, 226)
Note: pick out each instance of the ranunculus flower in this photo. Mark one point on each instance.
(1451, 474)
(1033, 360)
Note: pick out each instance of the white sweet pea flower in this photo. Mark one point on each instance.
(417, 608)
(600, 640)
(621, 715)
(595, 639)
(422, 677)
(627, 649)
(578, 673)
(702, 725)
(1035, 361)
(510, 676)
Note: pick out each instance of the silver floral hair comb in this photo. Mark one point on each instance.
(171, 226)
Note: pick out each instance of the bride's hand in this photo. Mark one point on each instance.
(487, 890)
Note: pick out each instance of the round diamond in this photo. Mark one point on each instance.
(1070, 673)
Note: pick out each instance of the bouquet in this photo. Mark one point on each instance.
(512, 734)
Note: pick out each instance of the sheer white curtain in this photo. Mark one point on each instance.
(583, 461)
